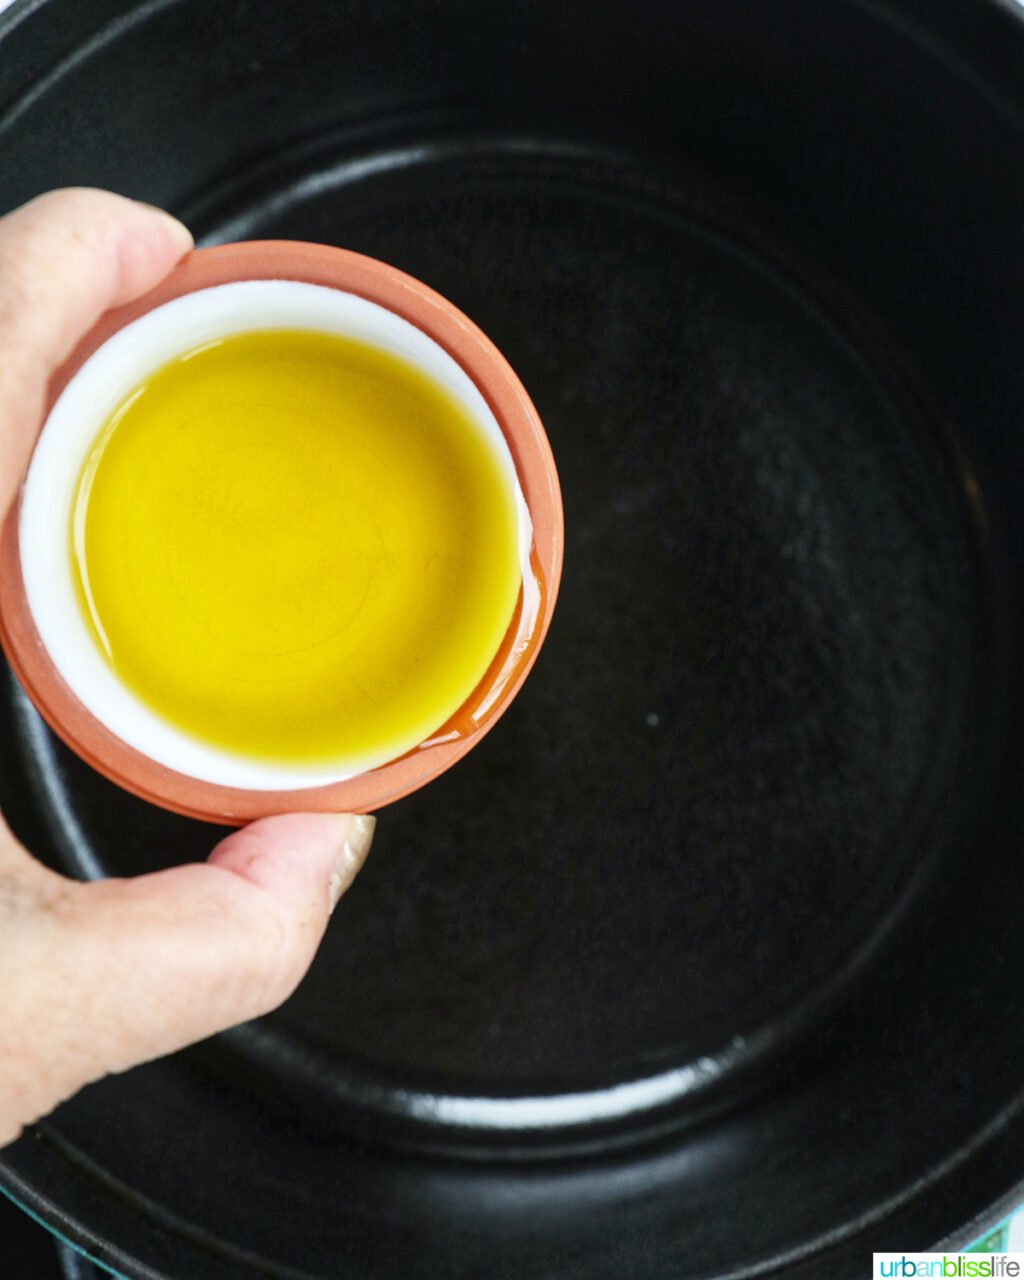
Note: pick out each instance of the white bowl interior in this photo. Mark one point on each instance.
(70, 430)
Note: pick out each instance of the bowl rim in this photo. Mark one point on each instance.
(534, 463)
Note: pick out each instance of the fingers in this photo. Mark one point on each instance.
(106, 975)
(65, 258)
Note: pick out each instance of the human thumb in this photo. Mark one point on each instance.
(100, 976)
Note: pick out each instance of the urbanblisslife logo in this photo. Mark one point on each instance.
(956, 1266)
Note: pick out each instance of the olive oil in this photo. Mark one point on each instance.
(296, 547)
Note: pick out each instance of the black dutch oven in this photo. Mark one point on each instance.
(709, 962)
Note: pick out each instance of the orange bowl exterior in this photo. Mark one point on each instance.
(531, 453)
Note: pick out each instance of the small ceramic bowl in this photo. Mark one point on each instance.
(210, 294)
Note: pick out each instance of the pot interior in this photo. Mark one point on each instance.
(691, 967)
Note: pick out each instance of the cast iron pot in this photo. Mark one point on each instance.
(709, 961)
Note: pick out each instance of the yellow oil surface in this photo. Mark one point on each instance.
(296, 547)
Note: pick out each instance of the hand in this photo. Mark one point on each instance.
(95, 978)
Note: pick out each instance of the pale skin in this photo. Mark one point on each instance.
(96, 978)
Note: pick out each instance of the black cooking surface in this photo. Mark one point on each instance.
(705, 962)
(707, 804)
